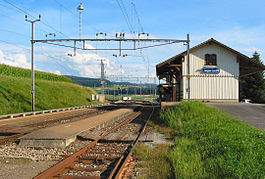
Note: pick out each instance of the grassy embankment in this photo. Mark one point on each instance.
(52, 91)
(210, 144)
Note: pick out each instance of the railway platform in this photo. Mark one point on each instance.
(62, 135)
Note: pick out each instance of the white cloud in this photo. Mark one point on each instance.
(88, 65)
(17, 60)
(244, 40)
(57, 72)
(88, 46)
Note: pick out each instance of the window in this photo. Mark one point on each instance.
(210, 59)
(207, 59)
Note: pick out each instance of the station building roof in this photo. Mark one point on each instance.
(248, 65)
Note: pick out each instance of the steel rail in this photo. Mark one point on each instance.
(59, 169)
(121, 166)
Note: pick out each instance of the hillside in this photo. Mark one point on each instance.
(21, 72)
(52, 91)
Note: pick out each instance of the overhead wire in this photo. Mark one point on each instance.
(13, 32)
(61, 17)
(124, 12)
(45, 54)
(19, 9)
(12, 19)
(53, 57)
(15, 45)
(138, 17)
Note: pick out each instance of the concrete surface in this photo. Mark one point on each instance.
(63, 135)
(18, 124)
(252, 114)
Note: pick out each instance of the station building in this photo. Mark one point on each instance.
(214, 75)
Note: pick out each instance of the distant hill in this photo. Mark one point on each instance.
(123, 87)
(89, 82)
(95, 82)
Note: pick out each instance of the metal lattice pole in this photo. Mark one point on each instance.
(80, 9)
(102, 78)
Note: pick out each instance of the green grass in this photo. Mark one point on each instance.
(26, 73)
(161, 126)
(211, 144)
(153, 161)
(15, 94)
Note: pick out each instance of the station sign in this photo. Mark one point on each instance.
(211, 70)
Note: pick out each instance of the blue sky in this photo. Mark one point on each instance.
(238, 24)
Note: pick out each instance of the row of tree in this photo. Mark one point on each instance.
(131, 91)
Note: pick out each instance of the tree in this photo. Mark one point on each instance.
(253, 86)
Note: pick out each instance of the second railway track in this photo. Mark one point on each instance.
(11, 133)
(106, 155)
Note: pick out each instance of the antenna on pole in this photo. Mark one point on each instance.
(80, 9)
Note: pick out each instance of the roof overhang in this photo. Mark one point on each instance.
(248, 65)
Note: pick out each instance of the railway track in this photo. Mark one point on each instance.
(104, 157)
(9, 133)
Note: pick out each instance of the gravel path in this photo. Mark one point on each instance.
(22, 168)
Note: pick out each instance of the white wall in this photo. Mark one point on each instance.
(221, 86)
